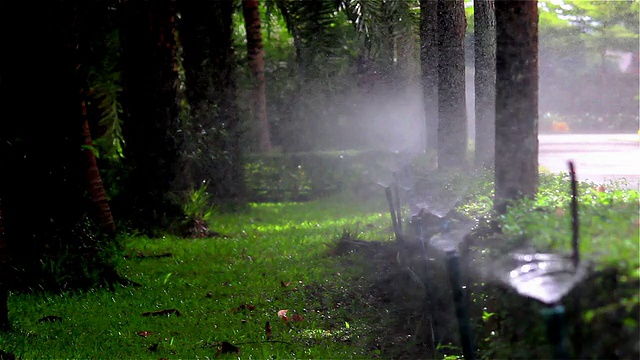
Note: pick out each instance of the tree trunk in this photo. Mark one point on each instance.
(95, 187)
(4, 278)
(232, 184)
(516, 150)
(452, 113)
(151, 108)
(40, 158)
(194, 36)
(429, 65)
(255, 50)
(485, 81)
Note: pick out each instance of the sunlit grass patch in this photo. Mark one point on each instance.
(198, 293)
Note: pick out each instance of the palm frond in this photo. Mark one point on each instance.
(105, 89)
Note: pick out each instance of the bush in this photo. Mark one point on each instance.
(306, 176)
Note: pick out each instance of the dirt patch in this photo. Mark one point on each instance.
(411, 299)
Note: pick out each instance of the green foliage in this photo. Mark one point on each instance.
(305, 176)
(605, 213)
(105, 81)
(198, 204)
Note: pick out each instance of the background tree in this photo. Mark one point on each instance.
(429, 65)
(151, 109)
(452, 113)
(485, 79)
(589, 49)
(213, 149)
(4, 278)
(45, 207)
(255, 49)
(516, 151)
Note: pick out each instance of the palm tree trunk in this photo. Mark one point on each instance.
(452, 113)
(485, 81)
(516, 150)
(95, 186)
(255, 51)
(429, 65)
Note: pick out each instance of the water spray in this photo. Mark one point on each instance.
(548, 278)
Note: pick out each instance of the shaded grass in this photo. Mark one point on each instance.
(273, 257)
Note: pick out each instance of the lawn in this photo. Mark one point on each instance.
(276, 281)
(198, 293)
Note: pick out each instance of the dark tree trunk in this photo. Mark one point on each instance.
(452, 113)
(224, 95)
(95, 187)
(207, 29)
(516, 150)
(42, 186)
(194, 37)
(251, 12)
(429, 65)
(4, 278)
(151, 110)
(485, 81)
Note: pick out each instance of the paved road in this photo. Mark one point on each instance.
(598, 158)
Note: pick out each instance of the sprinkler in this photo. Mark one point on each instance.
(448, 241)
(548, 278)
(419, 229)
(394, 216)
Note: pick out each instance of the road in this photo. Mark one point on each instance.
(599, 158)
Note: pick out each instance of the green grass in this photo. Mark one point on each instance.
(227, 288)
(208, 281)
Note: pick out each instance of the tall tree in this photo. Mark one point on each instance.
(255, 49)
(516, 148)
(151, 110)
(41, 154)
(95, 187)
(210, 64)
(4, 278)
(452, 113)
(485, 80)
(429, 65)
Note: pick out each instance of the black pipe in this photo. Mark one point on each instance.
(394, 220)
(462, 312)
(555, 321)
(575, 225)
(398, 206)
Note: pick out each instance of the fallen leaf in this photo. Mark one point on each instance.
(284, 284)
(601, 188)
(144, 333)
(283, 315)
(296, 318)
(243, 307)
(6, 355)
(209, 295)
(267, 330)
(50, 318)
(227, 348)
(162, 312)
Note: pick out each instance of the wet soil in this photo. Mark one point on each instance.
(411, 297)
